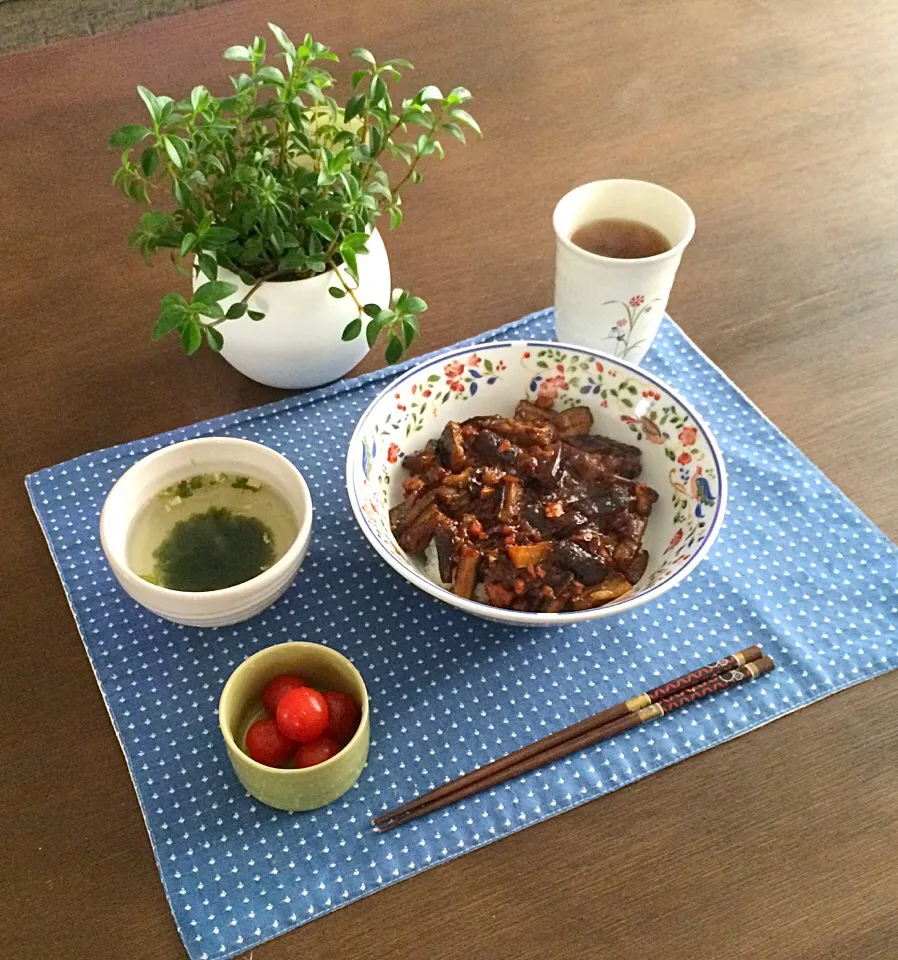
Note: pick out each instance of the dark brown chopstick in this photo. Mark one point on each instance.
(626, 710)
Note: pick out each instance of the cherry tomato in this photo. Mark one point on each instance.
(343, 716)
(277, 687)
(266, 744)
(302, 714)
(316, 751)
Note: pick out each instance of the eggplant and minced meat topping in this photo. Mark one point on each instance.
(529, 513)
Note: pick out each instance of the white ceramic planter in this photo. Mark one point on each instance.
(298, 344)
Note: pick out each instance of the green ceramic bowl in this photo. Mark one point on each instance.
(241, 705)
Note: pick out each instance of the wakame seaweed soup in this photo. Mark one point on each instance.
(210, 531)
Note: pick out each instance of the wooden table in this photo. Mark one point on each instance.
(778, 122)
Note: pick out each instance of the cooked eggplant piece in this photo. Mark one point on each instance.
(582, 563)
(444, 545)
(574, 422)
(495, 449)
(417, 536)
(532, 413)
(423, 460)
(512, 500)
(611, 589)
(452, 448)
(522, 433)
(466, 572)
(610, 456)
(408, 511)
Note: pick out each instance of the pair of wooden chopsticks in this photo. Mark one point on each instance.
(729, 672)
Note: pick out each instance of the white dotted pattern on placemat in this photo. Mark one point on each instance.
(797, 568)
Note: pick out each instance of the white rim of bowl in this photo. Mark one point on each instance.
(264, 579)
(518, 616)
(231, 742)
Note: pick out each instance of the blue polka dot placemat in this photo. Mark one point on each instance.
(797, 568)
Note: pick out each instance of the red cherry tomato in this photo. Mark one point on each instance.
(277, 687)
(343, 716)
(316, 751)
(266, 744)
(302, 714)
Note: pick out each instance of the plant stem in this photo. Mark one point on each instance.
(414, 163)
(347, 288)
(258, 284)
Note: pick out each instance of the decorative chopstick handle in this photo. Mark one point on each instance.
(732, 662)
(723, 681)
(611, 715)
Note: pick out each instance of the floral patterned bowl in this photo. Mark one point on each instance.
(681, 459)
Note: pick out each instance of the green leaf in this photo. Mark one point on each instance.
(191, 337)
(395, 218)
(182, 193)
(355, 106)
(357, 77)
(349, 258)
(409, 330)
(199, 96)
(130, 135)
(415, 305)
(238, 53)
(322, 227)
(169, 319)
(378, 90)
(255, 315)
(208, 265)
(149, 160)
(458, 95)
(352, 329)
(282, 38)
(371, 333)
(151, 101)
(212, 310)
(399, 62)
(455, 130)
(214, 291)
(429, 92)
(221, 235)
(271, 74)
(360, 53)
(187, 243)
(626, 401)
(213, 338)
(394, 348)
(372, 310)
(173, 153)
(173, 300)
(356, 240)
(236, 310)
(465, 117)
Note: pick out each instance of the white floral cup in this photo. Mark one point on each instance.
(606, 303)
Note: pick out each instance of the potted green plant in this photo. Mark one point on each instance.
(272, 194)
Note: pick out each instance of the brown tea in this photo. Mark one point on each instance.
(620, 238)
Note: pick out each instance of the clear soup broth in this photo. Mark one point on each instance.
(210, 531)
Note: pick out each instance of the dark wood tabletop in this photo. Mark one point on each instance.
(778, 122)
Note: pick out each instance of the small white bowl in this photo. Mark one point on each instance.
(680, 457)
(138, 484)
